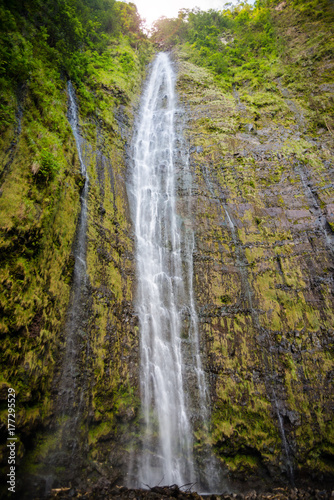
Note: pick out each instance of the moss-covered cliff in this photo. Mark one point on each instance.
(259, 125)
(261, 156)
(41, 185)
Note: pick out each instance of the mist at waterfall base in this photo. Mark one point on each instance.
(174, 397)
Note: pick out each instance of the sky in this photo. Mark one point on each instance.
(153, 9)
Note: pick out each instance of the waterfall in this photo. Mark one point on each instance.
(170, 363)
(65, 455)
(68, 382)
(80, 254)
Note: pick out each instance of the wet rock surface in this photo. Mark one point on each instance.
(263, 212)
(263, 262)
(98, 362)
(103, 492)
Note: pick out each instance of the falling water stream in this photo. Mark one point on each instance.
(169, 345)
(71, 399)
(81, 236)
(68, 384)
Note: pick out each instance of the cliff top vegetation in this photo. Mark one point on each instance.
(253, 46)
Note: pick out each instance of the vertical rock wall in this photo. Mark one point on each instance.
(264, 277)
(40, 206)
(105, 363)
(263, 210)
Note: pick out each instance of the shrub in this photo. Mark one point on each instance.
(48, 166)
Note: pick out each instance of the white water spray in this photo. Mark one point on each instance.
(170, 361)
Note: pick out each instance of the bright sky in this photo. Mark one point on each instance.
(153, 9)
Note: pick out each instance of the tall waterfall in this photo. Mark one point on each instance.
(170, 361)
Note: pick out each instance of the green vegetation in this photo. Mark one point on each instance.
(48, 166)
(61, 31)
(254, 47)
(99, 46)
(263, 121)
(258, 86)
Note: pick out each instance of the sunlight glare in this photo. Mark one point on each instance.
(151, 10)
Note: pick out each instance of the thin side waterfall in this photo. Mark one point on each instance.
(169, 345)
(80, 254)
(74, 318)
(64, 457)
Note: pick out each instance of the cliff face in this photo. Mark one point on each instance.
(263, 266)
(263, 213)
(69, 344)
